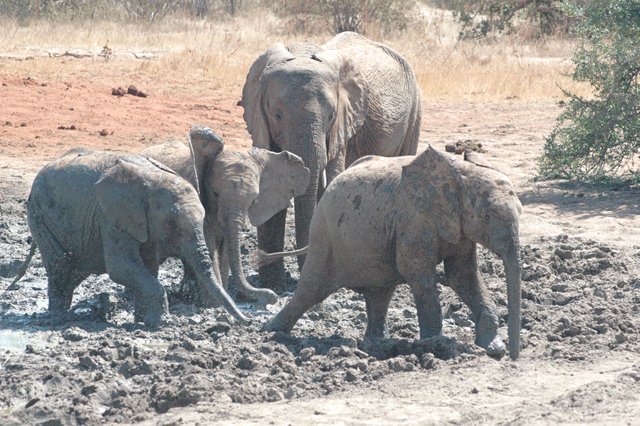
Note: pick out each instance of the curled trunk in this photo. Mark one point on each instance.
(234, 220)
(198, 257)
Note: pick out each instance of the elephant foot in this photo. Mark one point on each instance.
(277, 324)
(153, 319)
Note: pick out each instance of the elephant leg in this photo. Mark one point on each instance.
(125, 266)
(316, 284)
(271, 239)
(427, 298)
(62, 284)
(61, 278)
(377, 302)
(462, 276)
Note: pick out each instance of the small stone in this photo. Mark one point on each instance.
(274, 395)
(88, 390)
(427, 361)
(104, 132)
(88, 363)
(74, 334)
(132, 368)
(219, 327)
(306, 354)
(621, 338)
(345, 351)
(350, 377)
(246, 363)
(290, 393)
(475, 390)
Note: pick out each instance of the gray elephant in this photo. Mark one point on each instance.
(92, 212)
(331, 105)
(390, 220)
(233, 186)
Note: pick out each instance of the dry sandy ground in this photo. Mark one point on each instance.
(567, 373)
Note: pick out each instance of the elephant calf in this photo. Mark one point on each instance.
(92, 212)
(233, 186)
(385, 221)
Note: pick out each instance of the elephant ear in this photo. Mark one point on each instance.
(205, 145)
(283, 176)
(433, 185)
(352, 105)
(252, 94)
(122, 195)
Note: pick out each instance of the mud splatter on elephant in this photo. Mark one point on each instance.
(386, 221)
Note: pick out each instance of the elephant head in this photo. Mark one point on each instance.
(470, 200)
(163, 213)
(310, 105)
(236, 185)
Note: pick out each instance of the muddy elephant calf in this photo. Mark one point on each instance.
(234, 186)
(92, 212)
(385, 221)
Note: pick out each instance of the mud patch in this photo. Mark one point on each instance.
(580, 298)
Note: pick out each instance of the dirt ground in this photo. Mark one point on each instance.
(580, 361)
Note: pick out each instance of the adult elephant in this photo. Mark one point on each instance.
(330, 105)
(233, 186)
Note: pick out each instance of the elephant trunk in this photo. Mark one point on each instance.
(234, 219)
(513, 273)
(198, 257)
(315, 158)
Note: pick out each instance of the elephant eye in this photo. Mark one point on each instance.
(278, 116)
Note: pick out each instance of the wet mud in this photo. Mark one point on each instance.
(581, 299)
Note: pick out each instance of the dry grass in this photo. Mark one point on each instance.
(202, 56)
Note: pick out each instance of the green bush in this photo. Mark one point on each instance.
(598, 138)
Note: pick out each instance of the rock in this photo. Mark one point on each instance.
(306, 354)
(88, 363)
(274, 395)
(427, 361)
(74, 334)
(104, 132)
(118, 91)
(132, 368)
(246, 362)
(219, 327)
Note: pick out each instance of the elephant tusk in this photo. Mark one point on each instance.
(323, 178)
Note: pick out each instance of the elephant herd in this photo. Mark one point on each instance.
(312, 111)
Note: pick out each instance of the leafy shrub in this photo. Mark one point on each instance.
(598, 138)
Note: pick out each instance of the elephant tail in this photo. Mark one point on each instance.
(262, 258)
(23, 268)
